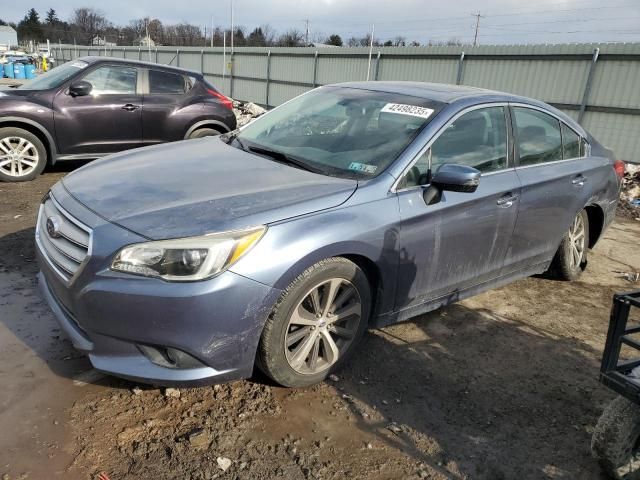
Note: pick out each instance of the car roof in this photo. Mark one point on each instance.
(439, 92)
(127, 61)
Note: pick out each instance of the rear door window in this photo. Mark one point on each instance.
(538, 136)
(166, 83)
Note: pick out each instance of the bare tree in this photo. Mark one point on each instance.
(89, 22)
(291, 38)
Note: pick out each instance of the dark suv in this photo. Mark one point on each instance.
(94, 106)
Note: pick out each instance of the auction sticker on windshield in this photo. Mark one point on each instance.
(404, 109)
(363, 167)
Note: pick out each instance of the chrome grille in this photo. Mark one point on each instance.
(65, 244)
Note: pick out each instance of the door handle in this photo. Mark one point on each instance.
(130, 107)
(507, 200)
(579, 180)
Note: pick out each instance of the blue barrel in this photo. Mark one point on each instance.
(30, 71)
(18, 71)
(8, 70)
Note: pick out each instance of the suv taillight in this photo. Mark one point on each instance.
(226, 101)
(618, 166)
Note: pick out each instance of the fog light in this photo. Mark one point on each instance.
(170, 357)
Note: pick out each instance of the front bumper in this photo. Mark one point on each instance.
(112, 316)
(219, 327)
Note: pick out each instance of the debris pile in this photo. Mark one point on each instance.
(630, 192)
(246, 111)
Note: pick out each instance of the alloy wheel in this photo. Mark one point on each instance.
(577, 241)
(18, 156)
(322, 326)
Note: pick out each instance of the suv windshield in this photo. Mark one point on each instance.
(55, 77)
(341, 131)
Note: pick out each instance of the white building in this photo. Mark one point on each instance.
(8, 37)
(101, 42)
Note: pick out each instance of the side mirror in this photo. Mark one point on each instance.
(452, 178)
(80, 89)
(456, 178)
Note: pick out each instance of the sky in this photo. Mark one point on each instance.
(502, 21)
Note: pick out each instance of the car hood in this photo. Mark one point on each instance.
(200, 186)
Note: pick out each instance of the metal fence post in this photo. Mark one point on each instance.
(587, 87)
(202, 61)
(156, 54)
(266, 96)
(177, 57)
(139, 53)
(460, 67)
(315, 69)
(231, 75)
(377, 73)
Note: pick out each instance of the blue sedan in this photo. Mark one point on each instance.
(350, 207)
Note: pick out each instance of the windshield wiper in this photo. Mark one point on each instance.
(283, 158)
(231, 136)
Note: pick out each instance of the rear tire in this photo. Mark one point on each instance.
(204, 132)
(616, 440)
(300, 346)
(23, 156)
(571, 258)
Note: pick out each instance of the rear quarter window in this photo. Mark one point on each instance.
(570, 143)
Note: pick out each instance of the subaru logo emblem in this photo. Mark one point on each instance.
(53, 227)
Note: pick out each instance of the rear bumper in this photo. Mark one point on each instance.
(218, 322)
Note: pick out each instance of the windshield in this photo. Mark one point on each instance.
(56, 77)
(342, 131)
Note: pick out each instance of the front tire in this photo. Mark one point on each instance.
(23, 156)
(571, 258)
(316, 324)
(616, 440)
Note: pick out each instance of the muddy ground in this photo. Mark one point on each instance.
(502, 386)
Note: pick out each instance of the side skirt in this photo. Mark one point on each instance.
(455, 296)
(81, 156)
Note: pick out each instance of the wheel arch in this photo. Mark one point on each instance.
(374, 276)
(209, 123)
(364, 256)
(595, 214)
(36, 129)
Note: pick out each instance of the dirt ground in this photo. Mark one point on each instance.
(501, 386)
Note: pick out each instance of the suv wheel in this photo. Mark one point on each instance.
(316, 324)
(204, 132)
(22, 155)
(571, 258)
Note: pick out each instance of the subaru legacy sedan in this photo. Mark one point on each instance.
(350, 207)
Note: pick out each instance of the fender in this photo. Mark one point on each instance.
(203, 123)
(52, 144)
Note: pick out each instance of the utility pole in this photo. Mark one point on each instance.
(211, 31)
(232, 32)
(373, 29)
(475, 37)
(306, 36)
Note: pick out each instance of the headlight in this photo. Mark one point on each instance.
(186, 259)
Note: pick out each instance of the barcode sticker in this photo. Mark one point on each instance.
(404, 109)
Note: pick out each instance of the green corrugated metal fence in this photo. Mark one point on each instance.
(597, 84)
